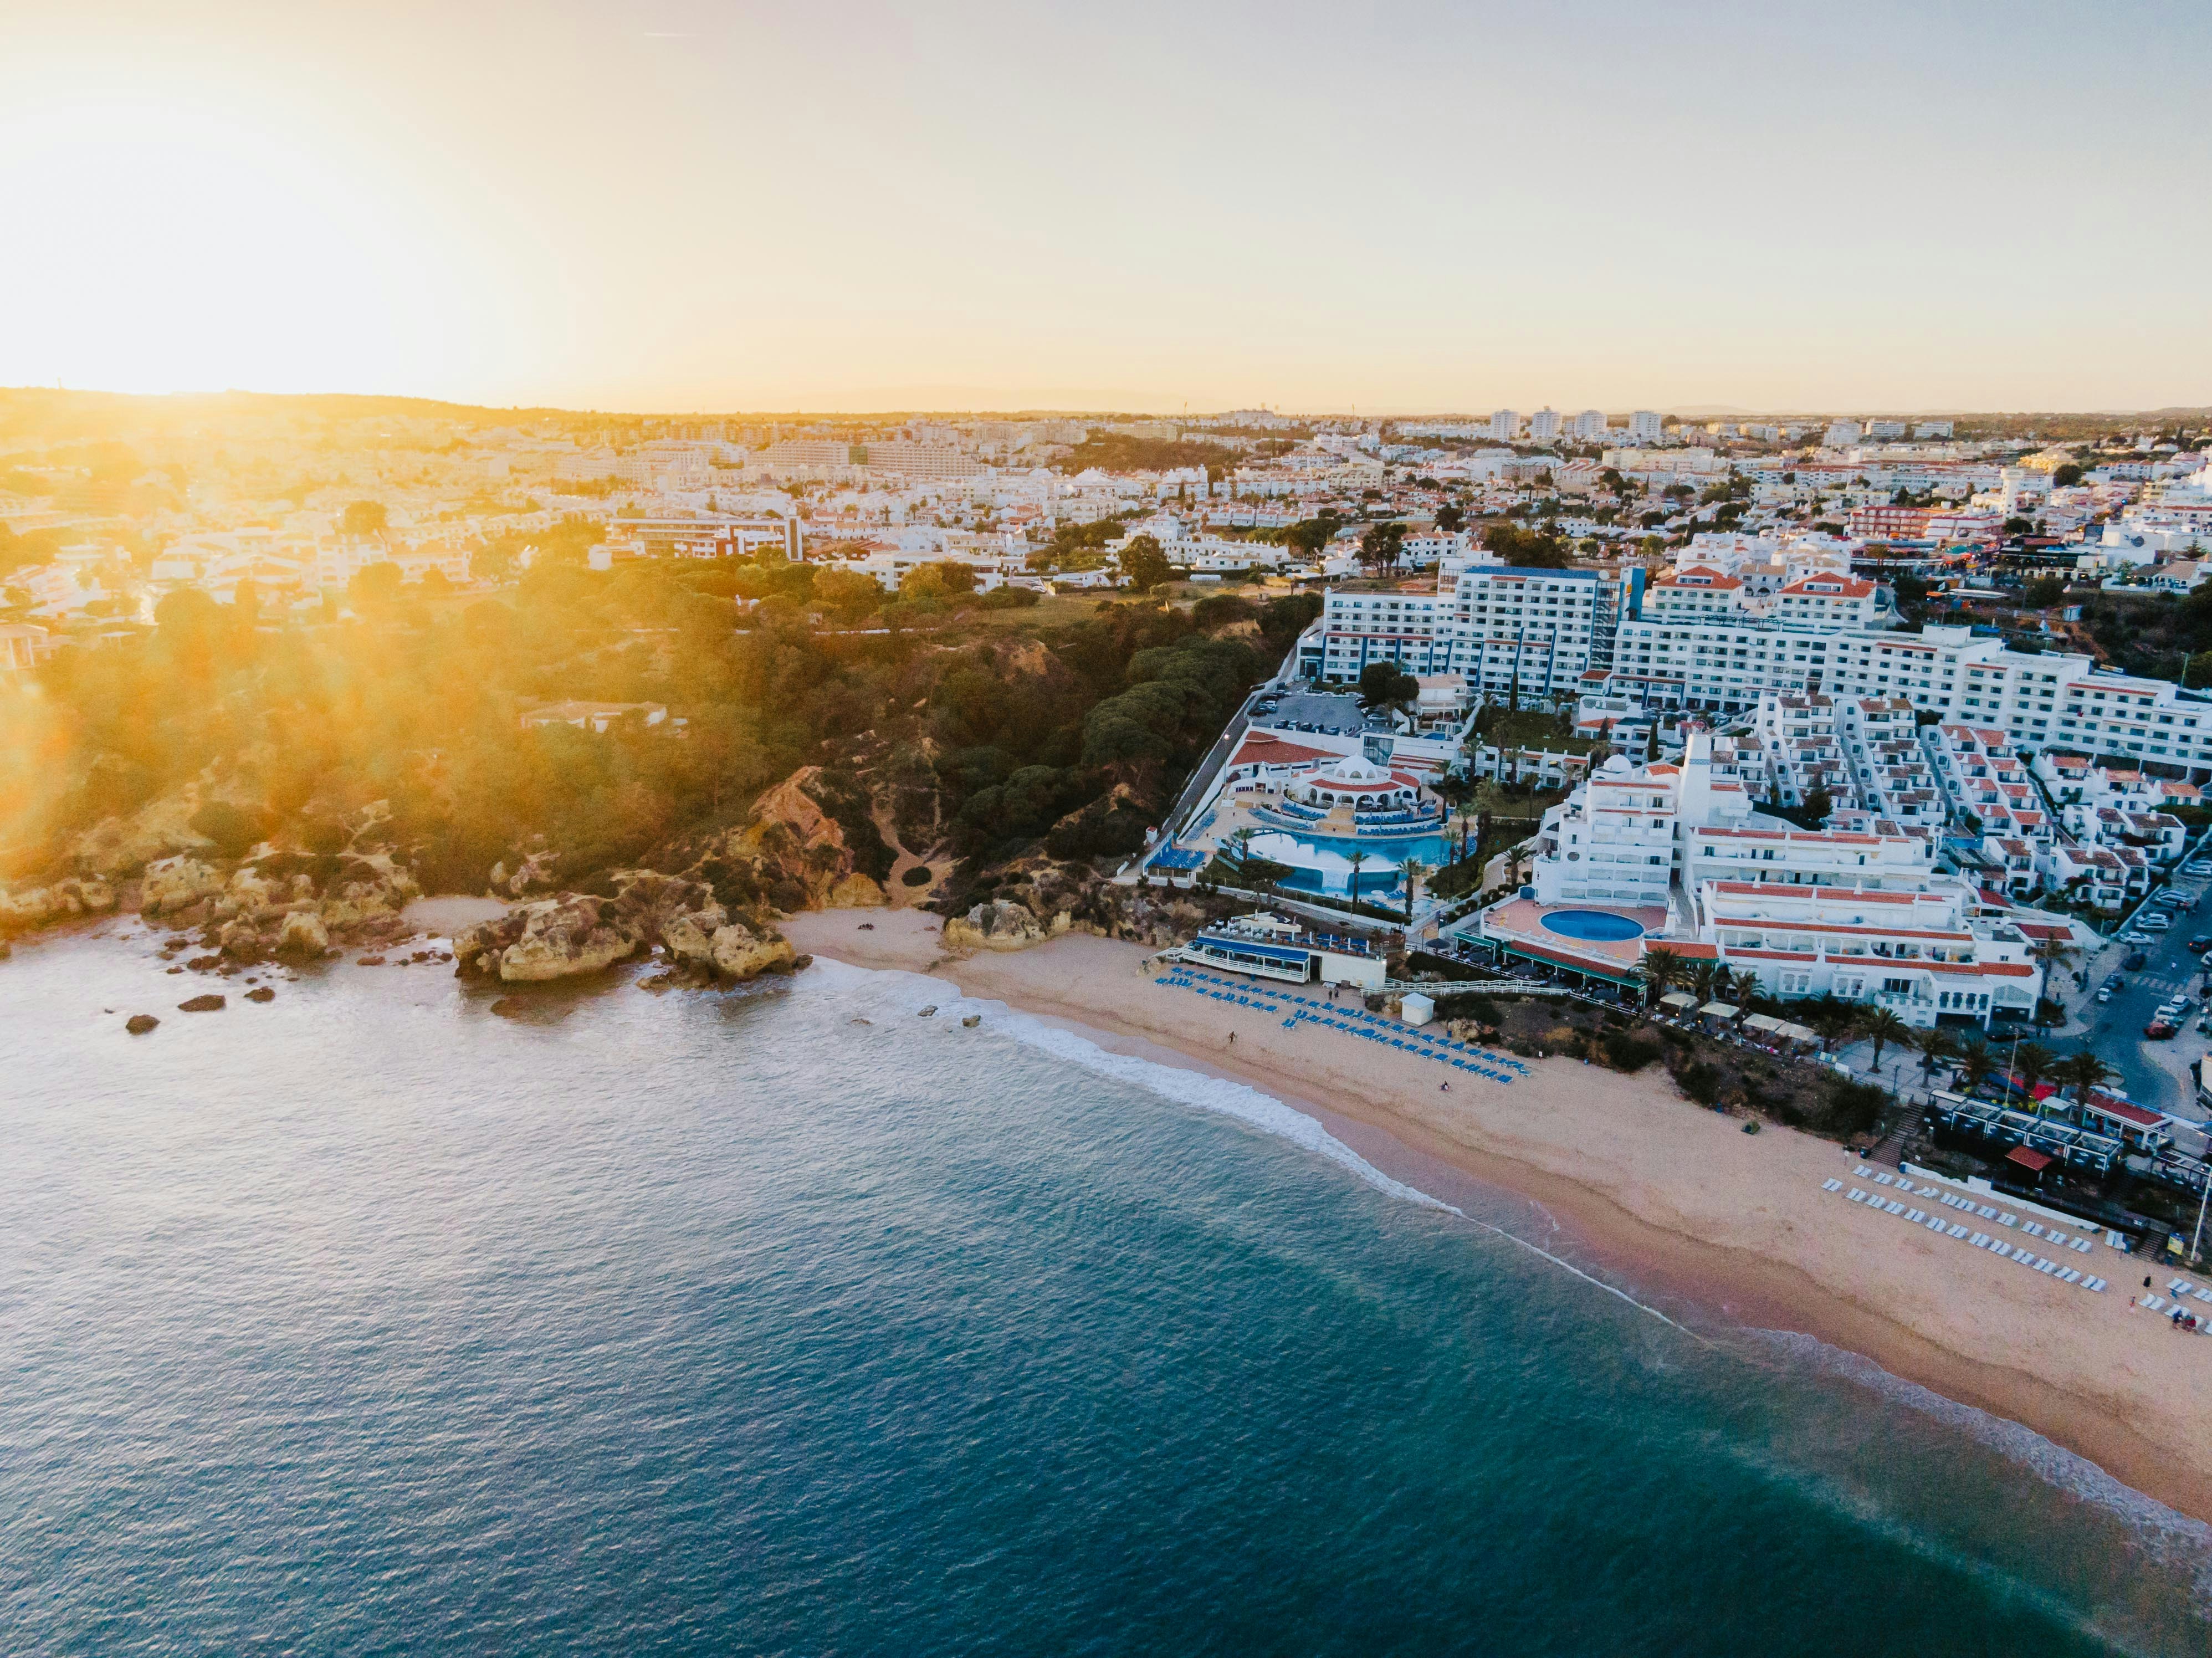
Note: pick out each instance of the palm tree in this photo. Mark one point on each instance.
(2032, 1063)
(1934, 1045)
(1414, 869)
(1358, 857)
(1662, 968)
(1835, 1020)
(1884, 1026)
(1976, 1063)
(1702, 979)
(2083, 1072)
(2056, 953)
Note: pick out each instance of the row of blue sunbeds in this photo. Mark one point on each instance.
(1349, 1019)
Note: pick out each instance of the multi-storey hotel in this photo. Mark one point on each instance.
(1857, 913)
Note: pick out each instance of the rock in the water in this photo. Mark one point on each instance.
(200, 1004)
(303, 936)
(263, 994)
(928, 1012)
(241, 941)
(560, 939)
(139, 1023)
(507, 1007)
(741, 953)
(971, 1021)
(688, 942)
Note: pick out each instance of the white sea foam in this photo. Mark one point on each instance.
(2173, 1538)
(909, 992)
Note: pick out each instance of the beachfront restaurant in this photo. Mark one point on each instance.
(1270, 947)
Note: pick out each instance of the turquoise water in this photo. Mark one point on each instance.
(791, 1322)
(1594, 924)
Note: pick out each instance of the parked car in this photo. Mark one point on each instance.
(2137, 961)
(2159, 1029)
(2197, 866)
(2113, 982)
(2205, 1025)
(2154, 922)
(2174, 895)
(2104, 994)
(2200, 943)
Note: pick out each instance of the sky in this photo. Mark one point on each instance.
(680, 205)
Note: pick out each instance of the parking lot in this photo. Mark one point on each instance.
(1309, 711)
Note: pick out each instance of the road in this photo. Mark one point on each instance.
(2155, 1074)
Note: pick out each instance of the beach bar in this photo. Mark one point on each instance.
(1269, 946)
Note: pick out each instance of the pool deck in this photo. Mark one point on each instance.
(1519, 922)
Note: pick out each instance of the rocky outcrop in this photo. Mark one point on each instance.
(139, 1023)
(202, 1004)
(367, 887)
(37, 907)
(741, 954)
(302, 937)
(172, 885)
(573, 933)
(1001, 924)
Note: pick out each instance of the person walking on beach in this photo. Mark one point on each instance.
(1232, 1039)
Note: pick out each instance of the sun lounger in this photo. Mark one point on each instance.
(1985, 1212)
(1831, 1186)
(2155, 1303)
(1856, 1196)
(2008, 1220)
(2032, 1228)
(2002, 1251)
(1979, 1240)
(2096, 1283)
(1862, 1171)
(1885, 1179)
(1955, 1229)
(2071, 1274)
(1895, 1207)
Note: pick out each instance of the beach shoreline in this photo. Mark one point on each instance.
(1724, 1230)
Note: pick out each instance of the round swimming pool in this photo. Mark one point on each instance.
(1598, 926)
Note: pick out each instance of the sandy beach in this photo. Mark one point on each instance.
(1675, 1200)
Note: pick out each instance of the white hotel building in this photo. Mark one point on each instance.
(1857, 914)
(1500, 627)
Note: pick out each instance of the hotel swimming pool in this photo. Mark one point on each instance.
(1594, 926)
(1323, 862)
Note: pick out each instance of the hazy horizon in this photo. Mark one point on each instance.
(1410, 209)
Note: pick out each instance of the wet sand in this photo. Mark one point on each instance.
(1674, 1199)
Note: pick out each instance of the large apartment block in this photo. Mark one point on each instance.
(1507, 630)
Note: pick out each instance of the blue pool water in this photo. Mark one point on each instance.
(1598, 926)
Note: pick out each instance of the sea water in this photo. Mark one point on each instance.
(792, 1321)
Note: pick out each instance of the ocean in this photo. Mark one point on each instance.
(790, 1322)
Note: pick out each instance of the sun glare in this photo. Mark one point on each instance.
(190, 248)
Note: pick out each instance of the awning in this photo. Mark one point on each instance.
(1678, 999)
(1797, 1033)
(1719, 1009)
(2028, 1158)
(1764, 1022)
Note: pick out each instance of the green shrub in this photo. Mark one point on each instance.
(1625, 1051)
(1700, 1081)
